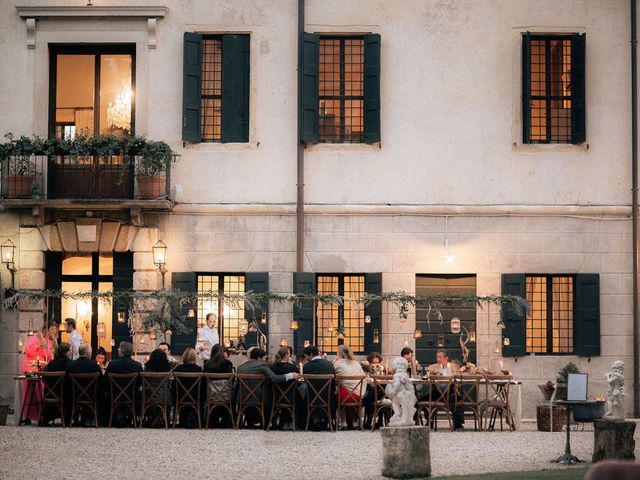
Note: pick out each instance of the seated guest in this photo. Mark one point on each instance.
(282, 365)
(61, 360)
(59, 364)
(407, 354)
(164, 346)
(101, 358)
(218, 362)
(158, 362)
(446, 368)
(373, 364)
(346, 365)
(124, 363)
(316, 365)
(188, 418)
(84, 364)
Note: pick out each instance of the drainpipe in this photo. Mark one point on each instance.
(300, 155)
(634, 204)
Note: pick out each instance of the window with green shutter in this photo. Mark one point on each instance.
(216, 88)
(553, 88)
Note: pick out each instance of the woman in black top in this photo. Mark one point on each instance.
(282, 366)
(158, 362)
(218, 362)
(62, 358)
(59, 364)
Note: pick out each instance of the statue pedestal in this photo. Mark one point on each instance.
(405, 452)
(613, 439)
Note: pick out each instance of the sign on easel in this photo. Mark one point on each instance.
(577, 387)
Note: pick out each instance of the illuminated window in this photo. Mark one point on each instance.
(229, 316)
(549, 324)
(350, 316)
(341, 90)
(210, 111)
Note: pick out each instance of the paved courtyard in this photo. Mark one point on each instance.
(52, 453)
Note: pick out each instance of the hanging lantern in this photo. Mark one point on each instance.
(263, 320)
(62, 328)
(307, 343)
(441, 341)
(472, 336)
(340, 336)
(20, 344)
(253, 328)
(367, 319)
(30, 333)
(501, 325)
(121, 317)
(244, 325)
(506, 342)
(406, 342)
(102, 330)
(191, 313)
(112, 342)
(497, 349)
(417, 333)
(293, 325)
(284, 342)
(376, 335)
(455, 325)
(153, 335)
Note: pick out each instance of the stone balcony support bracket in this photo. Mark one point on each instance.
(149, 13)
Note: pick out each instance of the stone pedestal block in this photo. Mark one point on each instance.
(405, 452)
(613, 440)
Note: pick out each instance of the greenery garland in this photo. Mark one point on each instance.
(167, 309)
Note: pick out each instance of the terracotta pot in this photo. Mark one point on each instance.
(151, 187)
(19, 186)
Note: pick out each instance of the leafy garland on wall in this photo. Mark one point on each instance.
(164, 309)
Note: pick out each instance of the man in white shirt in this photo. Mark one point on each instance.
(75, 338)
(207, 338)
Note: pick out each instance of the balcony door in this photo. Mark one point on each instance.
(91, 92)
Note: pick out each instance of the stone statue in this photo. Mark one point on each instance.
(402, 395)
(615, 392)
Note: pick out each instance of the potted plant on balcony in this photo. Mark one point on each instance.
(154, 158)
(21, 172)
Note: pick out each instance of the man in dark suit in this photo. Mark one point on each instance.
(316, 365)
(124, 364)
(84, 364)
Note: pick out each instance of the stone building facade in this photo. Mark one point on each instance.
(452, 190)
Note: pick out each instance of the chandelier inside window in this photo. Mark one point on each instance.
(119, 111)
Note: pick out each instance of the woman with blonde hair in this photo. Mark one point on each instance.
(187, 416)
(350, 391)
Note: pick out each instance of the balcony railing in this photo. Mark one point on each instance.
(116, 177)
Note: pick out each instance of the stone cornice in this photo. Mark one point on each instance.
(91, 12)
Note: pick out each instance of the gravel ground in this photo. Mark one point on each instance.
(32, 452)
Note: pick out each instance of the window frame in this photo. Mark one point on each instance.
(549, 301)
(96, 49)
(216, 37)
(220, 313)
(342, 98)
(361, 328)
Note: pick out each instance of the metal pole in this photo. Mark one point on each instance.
(300, 153)
(634, 204)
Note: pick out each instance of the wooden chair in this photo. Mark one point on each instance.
(468, 396)
(155, 395)
(354, 387)
(84, 388)
(497, 401)
(320, 391)
(187, 388)
(123, 388)
(250, 395)
(423, 391)
(284, 400)
(220, 394)
(440, 391)
(381, 404)
(53, 393)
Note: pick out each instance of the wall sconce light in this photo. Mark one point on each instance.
(455, 325)
(121, 317)
(284, 342)
(417, 333)
(263, 320)
(367, 319)
(160, 258)
(472, 336)
(293, 325)
(8, 258)
(440, 341)
(376, 335)
(307, 343)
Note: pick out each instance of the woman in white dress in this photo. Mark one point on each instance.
(349, 391)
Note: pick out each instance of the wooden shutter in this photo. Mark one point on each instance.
(587, 323)
(514, 318)
(53, 281)
(191, 87)
(122, 280)
(303, 282)
(526, 88)
(235, 88)
(578, 111)
(185, 282)
(371, 88)
(257, 282)
(309, 94)
(373, 284)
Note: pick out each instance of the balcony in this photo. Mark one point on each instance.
(122, 176)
